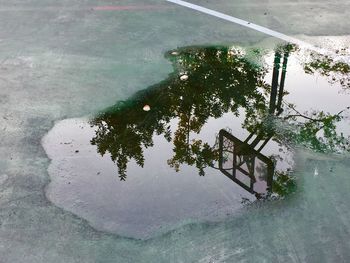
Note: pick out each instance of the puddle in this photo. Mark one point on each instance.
(224, 129)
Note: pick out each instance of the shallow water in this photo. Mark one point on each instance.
(75, 58)
(163, 138)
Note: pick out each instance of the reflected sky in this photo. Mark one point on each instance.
(222, 130)
(207, 83)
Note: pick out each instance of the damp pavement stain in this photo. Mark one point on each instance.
(141, 173)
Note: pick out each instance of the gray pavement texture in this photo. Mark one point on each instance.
(69, 59)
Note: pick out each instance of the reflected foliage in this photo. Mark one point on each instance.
(337, 71)
(208, 82)
(317, 130)
(284, 183)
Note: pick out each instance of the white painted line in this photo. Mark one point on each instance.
(248, 24)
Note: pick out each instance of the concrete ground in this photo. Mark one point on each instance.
(73, 58)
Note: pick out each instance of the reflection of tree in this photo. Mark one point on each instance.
(337, 71)
(207, 82)
(283, 183)
(317, 130)
(216, 81)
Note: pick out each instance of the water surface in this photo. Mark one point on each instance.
(227, 128)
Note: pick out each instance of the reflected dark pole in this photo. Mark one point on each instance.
(283, 77)
(274, 85)
(275, 92)
(245, 152)
(221, 147)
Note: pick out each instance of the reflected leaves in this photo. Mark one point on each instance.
(337, 71)
(218, 80)
(317, 130)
